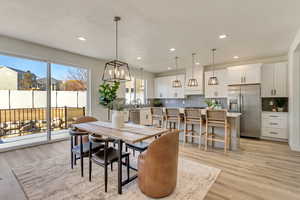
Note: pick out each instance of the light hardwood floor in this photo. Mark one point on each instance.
(261, 170)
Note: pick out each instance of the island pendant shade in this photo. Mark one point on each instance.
(213, 80)
(192, 82)
(176, 84)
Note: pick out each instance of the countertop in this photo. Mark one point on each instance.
(203, 111)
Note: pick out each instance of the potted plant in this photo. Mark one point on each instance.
(280, 103)
(108, 94)
(118, 114)
(210, 103)
(157, 103)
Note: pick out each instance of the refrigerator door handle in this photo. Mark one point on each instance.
(242, 103)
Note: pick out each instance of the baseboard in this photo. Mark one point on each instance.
(295, 147)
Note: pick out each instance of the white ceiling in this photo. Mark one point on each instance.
(256, 28)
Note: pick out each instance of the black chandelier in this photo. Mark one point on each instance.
(116, 70)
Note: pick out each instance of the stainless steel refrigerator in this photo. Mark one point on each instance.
(246, 100)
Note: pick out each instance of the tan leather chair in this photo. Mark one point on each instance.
(157, 167)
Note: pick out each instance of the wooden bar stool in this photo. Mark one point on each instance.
(192, 117)
(158, 115)
(174, 118)
(217, 119)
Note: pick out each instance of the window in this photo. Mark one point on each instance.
(24, 106)
(135, 91)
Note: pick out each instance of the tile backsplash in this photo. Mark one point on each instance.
(191, 101)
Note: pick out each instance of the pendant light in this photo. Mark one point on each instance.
(142, 86)
(213, 80)
(192, 81)
(116, 70)
(176, 83)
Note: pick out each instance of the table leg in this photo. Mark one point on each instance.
(120, 144)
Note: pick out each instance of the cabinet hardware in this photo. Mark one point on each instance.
(273, 123)
(274, 133)
(273, 116)
(274, 91)
(244, 79)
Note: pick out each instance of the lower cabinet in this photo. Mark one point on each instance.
(145, 116)
(275, 125)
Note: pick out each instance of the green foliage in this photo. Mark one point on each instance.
(210, 103)
(108, 94)
(118, 105)
(157, 103)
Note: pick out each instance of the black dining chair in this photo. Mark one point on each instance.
(105, 157)
(81, 150)
(140, 147)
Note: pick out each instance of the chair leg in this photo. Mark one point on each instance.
(128, 169)
(72, 156)
(75, 159)
(90, 170)
(133, 153)
(206, 137)
(81, 155)
(225, 140)
(200, 134)
(111, 167)
(105, 178)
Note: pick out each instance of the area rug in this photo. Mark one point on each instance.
(54, 180)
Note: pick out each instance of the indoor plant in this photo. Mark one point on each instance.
(108, 94)
(117, 113)
(210, 103)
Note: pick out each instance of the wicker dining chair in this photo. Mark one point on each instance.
(217, 119)
(192, 118)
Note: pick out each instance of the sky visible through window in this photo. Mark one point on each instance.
(36, 67)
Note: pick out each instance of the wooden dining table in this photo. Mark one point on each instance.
(129, 133)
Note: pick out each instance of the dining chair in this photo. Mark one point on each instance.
(139, 146)
(105, 156)
(79, 142)
(217, 119)
(173, 117)
(192, 118)
(158, 115)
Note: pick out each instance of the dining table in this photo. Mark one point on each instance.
(129, 133)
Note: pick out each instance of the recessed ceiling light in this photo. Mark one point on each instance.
(169, 68)
(81, 38)
(223, 36)
(172, 49)
(139, 58)
(236, 57)
(197, 63)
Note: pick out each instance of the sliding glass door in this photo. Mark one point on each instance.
(23, 104)
(39, 100)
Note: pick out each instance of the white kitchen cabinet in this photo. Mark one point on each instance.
(274, 125)
(274, 80)
(244, 74)
(197, 73)
(160, 87)
(164, 89)
(216, 91)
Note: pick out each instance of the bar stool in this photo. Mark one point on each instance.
(173, 117)
(158, 115)
(192, 117)
(217, 119)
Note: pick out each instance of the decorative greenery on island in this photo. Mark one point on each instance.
(108, 94)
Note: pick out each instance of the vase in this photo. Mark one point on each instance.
(117, 119)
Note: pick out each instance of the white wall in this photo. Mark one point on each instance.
(294, 93)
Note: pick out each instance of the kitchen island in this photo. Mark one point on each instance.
(233, 120)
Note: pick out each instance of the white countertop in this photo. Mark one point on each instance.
(203, 112)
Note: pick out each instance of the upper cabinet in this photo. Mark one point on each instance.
(163, 87)
(216, 91)
(244, 74)
(274, 80)
(197, 73)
